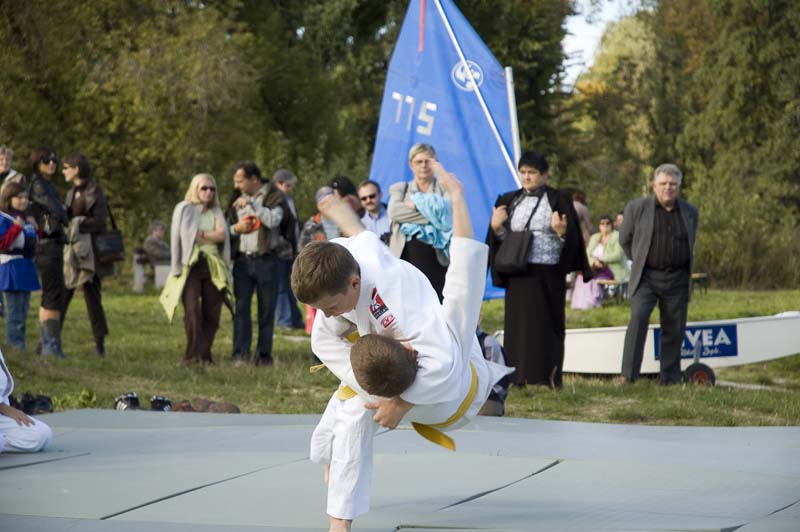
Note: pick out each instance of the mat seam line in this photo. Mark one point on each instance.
(196, 488)
(487, 492)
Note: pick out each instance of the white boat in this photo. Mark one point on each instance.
(721, 343)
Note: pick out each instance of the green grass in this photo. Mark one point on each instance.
(144, 353)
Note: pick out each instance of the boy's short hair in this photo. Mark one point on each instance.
(322, 268)
(382, 365)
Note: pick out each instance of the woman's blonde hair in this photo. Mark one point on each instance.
(193, 194)
(421, 148)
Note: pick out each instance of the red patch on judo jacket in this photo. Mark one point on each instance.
(378, 308)
(387, 320)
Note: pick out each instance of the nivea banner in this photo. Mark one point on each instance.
(710, 340)
(430, 97)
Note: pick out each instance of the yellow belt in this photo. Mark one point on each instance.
(432, 432)
(429, 432)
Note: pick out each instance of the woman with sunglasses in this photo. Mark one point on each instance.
(50, 217)
(200, 271)
(87, 210)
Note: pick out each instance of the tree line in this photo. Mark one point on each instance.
(154, 91)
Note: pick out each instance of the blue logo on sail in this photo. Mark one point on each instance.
(432, 97)
(461, 78)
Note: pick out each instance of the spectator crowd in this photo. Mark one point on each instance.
(223, 254)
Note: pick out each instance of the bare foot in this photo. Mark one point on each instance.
(339, 525)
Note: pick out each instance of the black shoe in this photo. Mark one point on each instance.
(35, 405)
(100, 347)
(240, 359)
(127, 401)
(263, 361)
(160, 403)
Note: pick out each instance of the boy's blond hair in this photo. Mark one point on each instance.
(382, 365)
(323, 268)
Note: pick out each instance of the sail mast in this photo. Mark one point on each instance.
(512, 111)
(511, 167)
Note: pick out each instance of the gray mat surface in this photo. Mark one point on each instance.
(165, 472)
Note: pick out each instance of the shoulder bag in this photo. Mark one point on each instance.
(109, 246)
(512, 256)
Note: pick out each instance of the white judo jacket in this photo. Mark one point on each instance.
(397, 300)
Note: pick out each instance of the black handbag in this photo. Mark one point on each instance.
(512, 256)
(109, 246)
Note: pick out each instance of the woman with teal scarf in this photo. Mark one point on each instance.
(422, 220)
(200, 276)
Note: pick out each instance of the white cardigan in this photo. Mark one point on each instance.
(185, 221)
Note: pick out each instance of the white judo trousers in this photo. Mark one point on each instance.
(344, 435)
(17, 438)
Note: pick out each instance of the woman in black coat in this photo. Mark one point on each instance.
(50, 216)
(534, 305)
(85, 199)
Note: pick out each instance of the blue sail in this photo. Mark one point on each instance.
(430, 97)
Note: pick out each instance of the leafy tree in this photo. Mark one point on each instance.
(614, 157)
(148, 91)
(157, 90)
(743, 147)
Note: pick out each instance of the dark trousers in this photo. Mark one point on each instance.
(49, 261)
(202, 304)
(286, 312)
(94, 307)
(535, 325)
(254, 274)
(423, 256)
(670, 290)
(17, 306)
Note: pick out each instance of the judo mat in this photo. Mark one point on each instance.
(175, 472)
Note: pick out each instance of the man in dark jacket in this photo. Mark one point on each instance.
(255, 215)
(658, 234)
(287, 313)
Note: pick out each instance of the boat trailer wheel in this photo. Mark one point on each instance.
(698, 373)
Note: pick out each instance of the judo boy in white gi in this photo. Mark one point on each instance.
(416, 360)
(19, 433)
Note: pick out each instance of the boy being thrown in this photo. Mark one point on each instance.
(415, 360)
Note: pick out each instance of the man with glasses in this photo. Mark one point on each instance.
(255, 215)
(375, 217)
